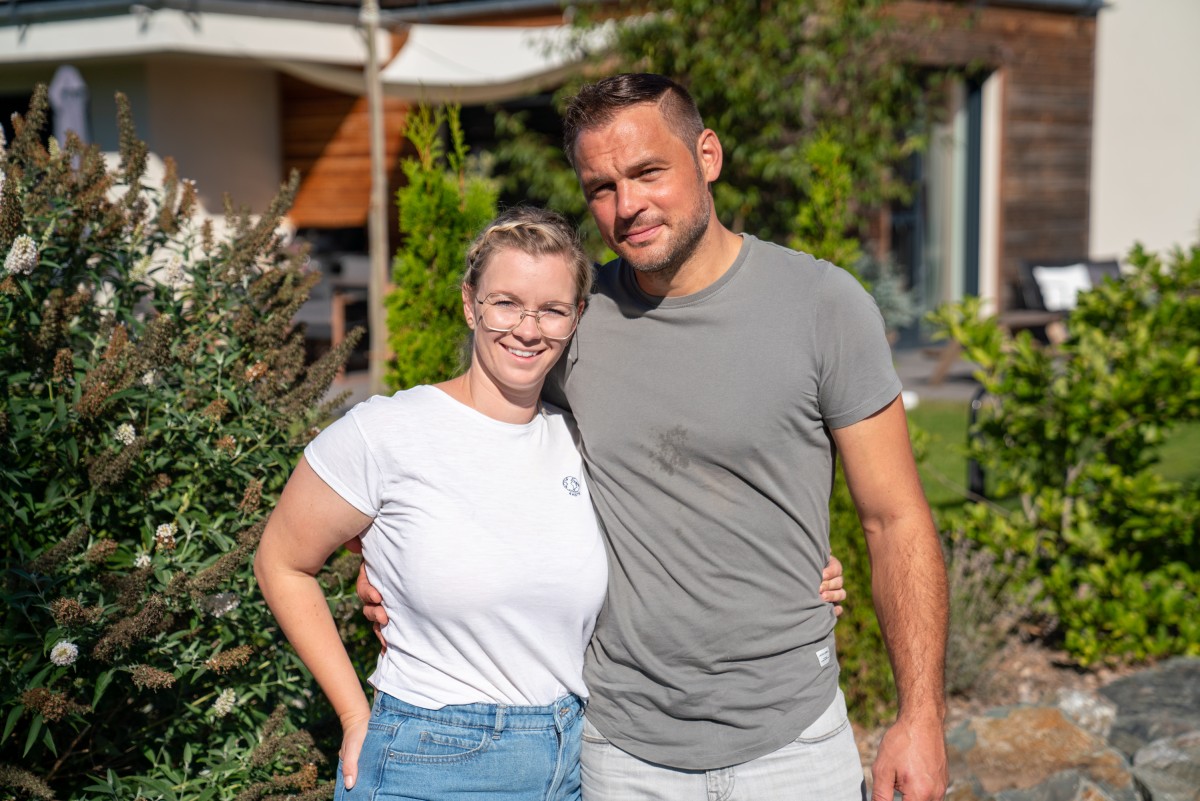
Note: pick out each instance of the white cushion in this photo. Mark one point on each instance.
(1060, 285)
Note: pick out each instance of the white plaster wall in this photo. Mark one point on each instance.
(220, 121)
(1146, 145)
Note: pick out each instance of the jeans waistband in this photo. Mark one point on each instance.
(496, 717)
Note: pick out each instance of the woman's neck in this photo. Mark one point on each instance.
(475, 390)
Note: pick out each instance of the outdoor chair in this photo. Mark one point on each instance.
(1045, 293)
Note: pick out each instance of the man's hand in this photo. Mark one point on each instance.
(912, 762)
(372, 600)
(831, 585)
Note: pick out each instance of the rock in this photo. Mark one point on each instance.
(1155, 704)
(1092, 713)
(1038, 749)
(1070, 785)
(1169, 770)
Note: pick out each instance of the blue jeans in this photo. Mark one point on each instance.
(822, 764)
(471, 751)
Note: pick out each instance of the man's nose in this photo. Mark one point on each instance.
(630, 202)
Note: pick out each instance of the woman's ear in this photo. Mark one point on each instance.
(468, 298)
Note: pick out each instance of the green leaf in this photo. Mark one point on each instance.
(102, 682)
(35, 728)
(11, 722)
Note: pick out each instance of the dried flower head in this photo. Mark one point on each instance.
(29, 785)
(22, 257)
(98, 554)
(276, 744)
(164, 536)
(125, 434)
(230, 659)
(106, 469)
(255, 372)
(161, 482)
(64, 653)
(147, 677)
(216, 410)
(127, 630)
(252, 497)
(51, 705)
(225, 703)
(56, 555)
(64, 365)
(227, 444)
(69, 612)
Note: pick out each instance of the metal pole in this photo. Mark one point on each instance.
(377, 226)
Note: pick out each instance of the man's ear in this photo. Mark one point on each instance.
(709, 155)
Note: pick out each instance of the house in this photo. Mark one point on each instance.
(1067, 133)
(1070, 133)
(241, 93)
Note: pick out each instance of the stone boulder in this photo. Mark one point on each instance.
(1169, 770)
(1034, 754)
(1155, 704)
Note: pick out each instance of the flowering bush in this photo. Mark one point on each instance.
(153, 399)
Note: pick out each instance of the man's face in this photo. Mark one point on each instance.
(645, 189)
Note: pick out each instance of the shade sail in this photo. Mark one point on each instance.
(478, 64)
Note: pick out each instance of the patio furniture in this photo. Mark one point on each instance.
(1047, 291)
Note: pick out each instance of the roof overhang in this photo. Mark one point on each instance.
(168, 30)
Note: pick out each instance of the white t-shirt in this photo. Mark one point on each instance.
(484, 546)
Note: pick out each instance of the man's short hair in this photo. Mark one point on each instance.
(598, 103)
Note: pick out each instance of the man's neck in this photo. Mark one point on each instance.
(716, 254)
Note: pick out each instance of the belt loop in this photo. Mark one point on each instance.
(500, 710)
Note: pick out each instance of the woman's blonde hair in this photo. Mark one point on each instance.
(536, 232)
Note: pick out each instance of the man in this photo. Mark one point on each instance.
(714, 378)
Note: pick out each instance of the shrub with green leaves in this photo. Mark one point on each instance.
(1072, 435)
(153, 398)
(442, 207)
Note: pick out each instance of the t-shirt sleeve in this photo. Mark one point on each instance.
(341, 456)
(857, 376)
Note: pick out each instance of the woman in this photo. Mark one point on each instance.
(480, 532)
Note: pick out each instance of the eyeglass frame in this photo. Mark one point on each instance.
(535, 313)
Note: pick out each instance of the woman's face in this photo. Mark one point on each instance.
(517, 361)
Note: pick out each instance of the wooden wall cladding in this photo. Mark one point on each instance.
(1047, 59)
(325, 137)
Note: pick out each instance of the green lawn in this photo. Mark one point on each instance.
(944, 469)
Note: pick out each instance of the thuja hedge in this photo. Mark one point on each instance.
(153, 397)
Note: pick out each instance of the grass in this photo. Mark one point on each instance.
(944, 468)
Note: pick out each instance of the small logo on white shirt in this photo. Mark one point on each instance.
(571, 485)
(823, 656)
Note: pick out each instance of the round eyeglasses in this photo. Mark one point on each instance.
(502, 314)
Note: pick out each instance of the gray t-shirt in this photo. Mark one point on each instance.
(705, 422)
